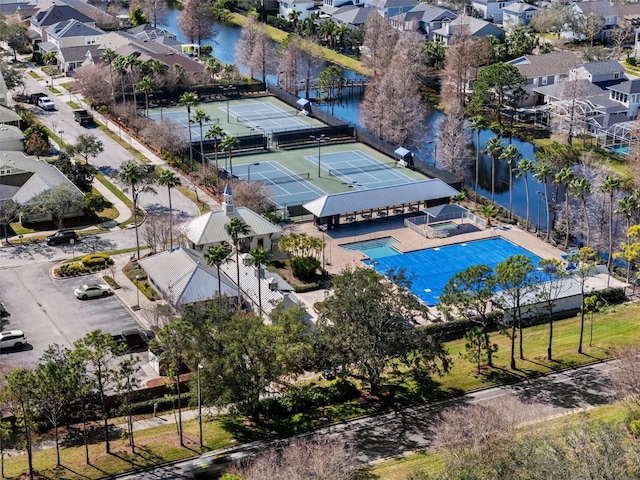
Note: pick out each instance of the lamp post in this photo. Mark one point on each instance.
(249, 170)
(435, 152)
(60, 132)
(539, 194)
(319, 139)
(227, 89)
(137, 291)
(200, 406)
(323, 228)
(119, 129)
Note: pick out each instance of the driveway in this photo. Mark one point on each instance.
(48, 312)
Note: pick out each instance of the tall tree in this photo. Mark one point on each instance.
(477, 124)
(109, 56)
(216, 133)
(87, 146)
(229, 144)
(584, 260)
(470, 291)
(543, 173)
(511, 154)
(170, 180)
(246, 44)
(201, 117)
(145, 86)
(259, 257)
(188, 99)
(311, 61)
(57, 202)
(196, 20)
(564, 178)
(552, 276)
(378, 45)
(216, 255)
(13, 31)
(262, 56)
(451, 141)
(134, 179)
(514, 281)
(524, 168)
(330, 84)
(610, 185)
(289, 54)
(9, 210)
(155, 11)
(581, 188)
(494, 149)
(494, 84)
(237, 228)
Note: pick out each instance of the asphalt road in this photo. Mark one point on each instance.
(404, 430)
(48, 312)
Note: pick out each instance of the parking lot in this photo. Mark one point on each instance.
(48, 312)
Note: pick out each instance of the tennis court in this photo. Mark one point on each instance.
(430, 269)
(360, 170)
(266, 117)
(287, 187)
(181, 118)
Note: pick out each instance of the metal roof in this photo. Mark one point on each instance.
(564, 288)
(210, 227)
(362, 200)
(183, 276)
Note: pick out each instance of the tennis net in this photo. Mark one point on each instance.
(264, 116)
(288, 179)
(336, 172)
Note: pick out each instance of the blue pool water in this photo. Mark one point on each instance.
(378, 248)
(430, 269)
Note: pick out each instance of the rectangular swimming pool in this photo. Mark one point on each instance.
(443, 226)
(377, 248)
(431, 268)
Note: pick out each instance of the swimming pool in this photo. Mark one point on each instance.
(443, 226)
(377, 248)
(431, 268)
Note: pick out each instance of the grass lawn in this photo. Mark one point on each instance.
(187, 192)
(113, 189)
(116, 137)
(73, 105)
(34, 75)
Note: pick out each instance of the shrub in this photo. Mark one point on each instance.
(308, 398)
(303, 267)
(634, 427)
(632, 61)
(96, 260)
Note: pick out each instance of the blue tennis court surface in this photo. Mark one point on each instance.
(431, 269)
(266, 117)
(359, 170)
(287, 187)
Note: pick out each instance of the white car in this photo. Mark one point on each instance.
(46, 103)
(12, 339)
(93, 290)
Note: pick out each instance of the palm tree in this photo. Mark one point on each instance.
(477, 123)
(294, 17)
(489, 211)
(564, 177)
(133, 64)
(228, 144)
(133, 177)
(109, 56)
(145, 86)
(494, 150)
(215, 256)
(188, 100)
(235, 228)
(542, 173)
(628, 206)
(511, 154)
(120, 65)
(524, 167)
(581, 188)
(216, 132)
(260, 256)
(610, 185)
(201, 117)
(170, 180)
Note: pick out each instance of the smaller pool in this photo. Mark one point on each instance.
(443, 226)
(378, 248)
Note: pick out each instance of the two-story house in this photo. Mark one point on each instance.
(56, 14)
(304, 7)
(600, 8)
(71, 40)
(517, 14)
(389, 8)
(489, 9)
(424, 19)
(476, 27)
(353, 16)
(329, 7)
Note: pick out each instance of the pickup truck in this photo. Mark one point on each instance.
(134, 339)
(42, 101)
(83, 117)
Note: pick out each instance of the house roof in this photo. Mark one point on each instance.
(183, 276)
(629, 12)
(25, 10)
(274, 289)
(149, 32)
(601, 7)
(79, 54)
(628, 87)
(59, 13)
(73, 28)
(10, 132)
(8, 116)
(425, 13)
(518, 7)
(564, 288)
(603, 67)
(353, 15)
(47, 47)
(97, 14)
(148, 50)
(555, 63)
(382, 4)
(476, 27)
(373, 198)
(44, 176)
(210, 227)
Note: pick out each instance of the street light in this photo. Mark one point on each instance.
(249, 170)
(137, 291)
(319, 139)
(119, 129)
(323, 228)
(435, 152)
(539, 194)
(200, 366)
(227, 89)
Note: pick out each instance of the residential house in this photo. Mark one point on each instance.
(542, 70)
(389, 8)
(209, 229)
(517, 14)
(70, 40)
(7, 115)
(11, 138)
(329, 7)
(352, 15)
(489, 9)
(22, 178)
(477, 28)
(182, 277)
(56, 14)
(600, 8)
(627, 94)
(305, 7)
(23, 9)
(424, 19)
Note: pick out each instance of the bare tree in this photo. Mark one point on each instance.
(311, 62)
(621, 36)
(156, 233)
(93, 81)
(626, 378)
(166, 135)
(196, 20)
(154, 10)
(246, 44)
(253, 195)
(309, 458)
(453, 156)
(289, 63)
(378, 44)
(262, 60)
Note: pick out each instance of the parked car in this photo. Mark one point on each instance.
(135, 338)
(62, 236)
(12, 339)
(46, 103)
(93, 290)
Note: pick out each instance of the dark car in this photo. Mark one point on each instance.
(134, 339)
(63, 236)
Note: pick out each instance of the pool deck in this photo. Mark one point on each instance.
(336, 258)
